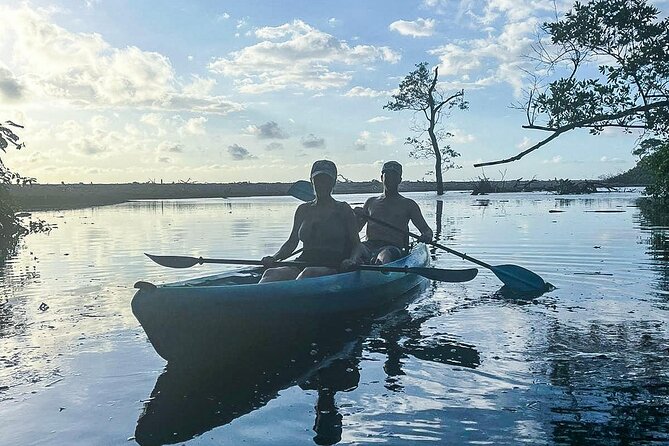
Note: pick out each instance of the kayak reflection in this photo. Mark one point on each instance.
(187, 402)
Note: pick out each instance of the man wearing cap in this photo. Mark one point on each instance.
(385, 244)
(327, 228)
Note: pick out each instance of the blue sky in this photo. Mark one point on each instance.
(257, 90)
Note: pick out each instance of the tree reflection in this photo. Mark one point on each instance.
(655, 221)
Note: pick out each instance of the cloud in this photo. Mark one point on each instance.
(194, 126)
(221, 17)
(169, 147)
(94, 143)
(296, 55)
(199, 86)
(364, 92)
(268, 130)
(387, 139)
(497, 58)
(311, 141)
(274, 146)
(378, 119)
(153, 119)
(606, 159)
(460, 137)
(416, 28)
(239, 153)
(82, 69)
(10, 88)
(361, 142)
(555, 160)
(525, 143)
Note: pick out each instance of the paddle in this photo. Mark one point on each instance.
(515, 277)
(442, 275)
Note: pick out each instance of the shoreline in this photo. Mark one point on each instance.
(41, 197)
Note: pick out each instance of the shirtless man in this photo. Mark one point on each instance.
(385, 244)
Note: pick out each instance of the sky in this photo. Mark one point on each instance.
(220, 91)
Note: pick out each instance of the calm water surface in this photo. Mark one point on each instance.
(587, 363)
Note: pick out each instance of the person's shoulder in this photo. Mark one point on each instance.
(373, 200)
(343, 205)
(304, 206)
(407, 201)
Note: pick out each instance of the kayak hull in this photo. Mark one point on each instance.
(218, 318)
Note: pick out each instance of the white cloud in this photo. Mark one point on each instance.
(606, 159)
(525, 143)
(387, 139)
(296, 55)
(361, 142)
(221, 17)
(194, 126)
(378, 119)
(555, 160)
(461, 137)
(99, 121)
(82, 69)
(365, 92)
(169, 147)
(510, 28)
(153, 119)
(415, 28)
(199, 87)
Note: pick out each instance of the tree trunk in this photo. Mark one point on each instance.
(437, 161)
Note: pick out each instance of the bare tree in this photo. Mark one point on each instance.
(419, 92)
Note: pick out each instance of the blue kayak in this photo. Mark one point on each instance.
(222, 316)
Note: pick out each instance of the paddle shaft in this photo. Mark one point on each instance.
(444, 275)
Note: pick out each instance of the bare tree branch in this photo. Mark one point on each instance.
(578, 124)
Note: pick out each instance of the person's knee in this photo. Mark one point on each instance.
(388, 255)
(279, 274)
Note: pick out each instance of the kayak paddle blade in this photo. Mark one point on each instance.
(519, 279)
(174, 261)
(302, 190)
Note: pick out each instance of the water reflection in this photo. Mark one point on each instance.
(655, 222)
(187, 402)
(630, 403)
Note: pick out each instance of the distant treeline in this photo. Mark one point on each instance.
(68, 196)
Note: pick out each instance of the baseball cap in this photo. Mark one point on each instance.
(392, 166)
(326, 167)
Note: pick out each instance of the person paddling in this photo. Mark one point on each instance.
(327, 228)
(384, 244)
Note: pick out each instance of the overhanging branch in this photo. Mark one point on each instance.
(578, 124)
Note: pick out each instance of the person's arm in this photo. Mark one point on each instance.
(289, 245)
(354, 239)
(361, 213)
(419, 222)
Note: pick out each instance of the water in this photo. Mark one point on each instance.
(587, 363)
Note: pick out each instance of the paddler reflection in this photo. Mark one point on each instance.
(186, 403)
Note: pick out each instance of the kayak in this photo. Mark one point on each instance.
(220, 317)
